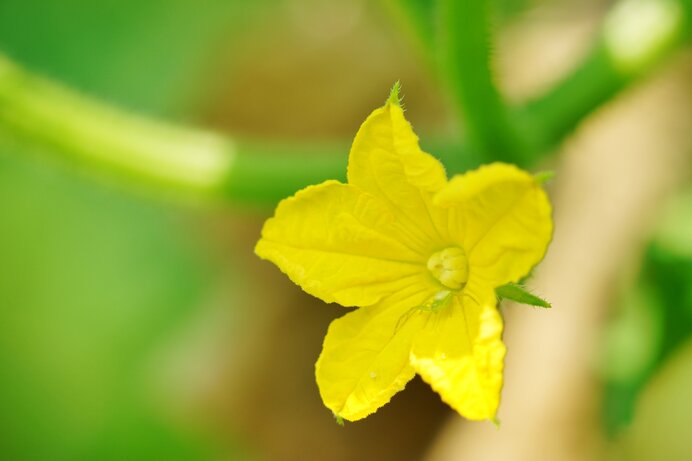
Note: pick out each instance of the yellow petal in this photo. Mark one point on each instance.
(386, 161)
(460, 354)
(502, 218)
(365, 357)
(335, 242)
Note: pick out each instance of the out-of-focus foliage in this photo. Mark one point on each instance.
(147, 55)
(655, 315)
(91, 281)
(660, 429)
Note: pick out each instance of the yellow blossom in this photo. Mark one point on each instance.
(421, 257)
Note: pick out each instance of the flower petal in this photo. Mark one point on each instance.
(460, 354)
(503, 218)
(335, 242)
(386, 161)
(365, 357)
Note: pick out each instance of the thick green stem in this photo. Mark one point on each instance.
(636, 36)
(465, 59)
(181, 161)
(196, 164)
(264, 174)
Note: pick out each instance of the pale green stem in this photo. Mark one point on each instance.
(188, 163)
(197, 164)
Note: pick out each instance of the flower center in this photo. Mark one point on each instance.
(450, 267)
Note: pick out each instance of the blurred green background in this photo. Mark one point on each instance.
(93, 281)
(138, 327)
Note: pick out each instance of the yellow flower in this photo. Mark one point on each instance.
(421, 257)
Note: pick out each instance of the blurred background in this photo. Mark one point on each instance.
(137, 327)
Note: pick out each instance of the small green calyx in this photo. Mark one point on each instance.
(521, 295)
(543, 177)
(450, 267)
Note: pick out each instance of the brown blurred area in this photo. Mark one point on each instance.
(612, 176)
(314, 70)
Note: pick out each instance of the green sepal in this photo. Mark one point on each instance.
(543, 177)
(339, 420)
(519, 294)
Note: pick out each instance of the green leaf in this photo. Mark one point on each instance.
(653, 320)
(519, 294)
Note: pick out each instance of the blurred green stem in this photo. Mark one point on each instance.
(635, 37)
(465, 63)
(184, 162)
(206, 166)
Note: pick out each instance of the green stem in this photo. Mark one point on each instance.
(636, 36)
(191, 163)
(184, 162)
(264, 174)
(465, 62)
